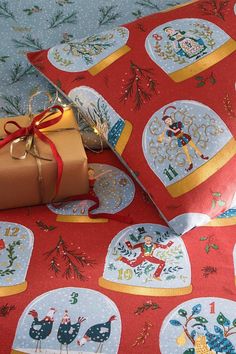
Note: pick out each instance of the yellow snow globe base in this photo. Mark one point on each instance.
(202, 173)
(141, 290)
(124, 138)
(205, 63)
(13, 289)
(79, 219)
(103, 64)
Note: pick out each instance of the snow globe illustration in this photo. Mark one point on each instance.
(227, 218)
(93, 53)
(185, 47)
(184, 143)
(103, 117)
(114, 189)
(201, 325)
(147, 259)
(16, 244)
(70, 320)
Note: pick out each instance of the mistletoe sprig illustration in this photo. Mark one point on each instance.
(140, 86)
(6, 309)
(32, 10)
(28, 42)
(148, 4)
(148, 305)
(208, 270)
(216, 8)
(4, 58)
(143, 335)
(203, 80)
(60, 18)
(44, 226)
(108, 14)
(18, 72)
(67, 262)
(12, 105)
(5, 12)
(11, 258)
(210, 244)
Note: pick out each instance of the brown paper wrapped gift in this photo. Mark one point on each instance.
(31, 181)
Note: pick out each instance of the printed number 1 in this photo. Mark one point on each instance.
(212, 307)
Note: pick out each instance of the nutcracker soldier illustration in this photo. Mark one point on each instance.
(175, 129)
(148, 248)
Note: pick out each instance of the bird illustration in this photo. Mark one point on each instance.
(98, 333)
(214, 343)
(41, 329)
(67, 332)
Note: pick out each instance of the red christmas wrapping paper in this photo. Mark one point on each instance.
(162, 89)
(104, 302)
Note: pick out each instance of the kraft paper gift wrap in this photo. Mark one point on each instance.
(21, 182)
(163, 87)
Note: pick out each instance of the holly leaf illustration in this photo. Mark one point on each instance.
(216, 194)
(200, 84)
(175, 323)
(222, 320)
(213, 204)
(196, 309)
(203, 238)
(218, 330)
(207, 248)
(221, 202)
(189, 351)
(234, 322)
(212, 80)
(182, 313)
(214, 246)
(201, 319)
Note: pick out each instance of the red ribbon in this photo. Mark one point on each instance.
(34, 129)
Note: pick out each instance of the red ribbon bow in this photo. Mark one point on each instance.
(34, 129)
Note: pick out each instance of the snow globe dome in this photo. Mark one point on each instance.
(93, 53)
(16, 244)
(74, 320)
(147, 259)
(114, 189)
(187, 46)
(200, 325)
(101, 115)
(184, 143)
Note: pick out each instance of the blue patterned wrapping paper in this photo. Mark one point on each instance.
(33, 25)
